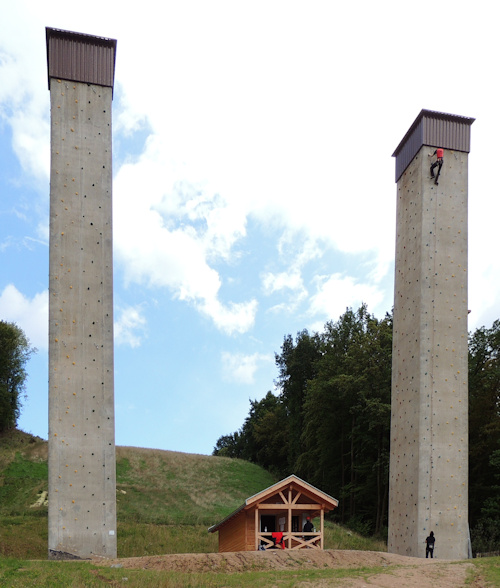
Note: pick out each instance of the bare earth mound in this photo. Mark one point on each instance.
(401, 570)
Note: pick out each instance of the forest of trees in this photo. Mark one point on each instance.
(329, 421)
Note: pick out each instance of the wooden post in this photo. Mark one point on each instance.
(289, 518)
(257, 529)
(322, 526)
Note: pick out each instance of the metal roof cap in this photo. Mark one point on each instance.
(79, 57)
(435, 129)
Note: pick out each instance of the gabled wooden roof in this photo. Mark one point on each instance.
(327, 501)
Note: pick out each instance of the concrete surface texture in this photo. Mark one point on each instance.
(82, 479)
(429, 425)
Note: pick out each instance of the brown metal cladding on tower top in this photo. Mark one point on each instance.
(435, 129)
(80, 58)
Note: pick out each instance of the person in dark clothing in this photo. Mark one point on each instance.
(429, 545)
(308, 527)
(439, 153)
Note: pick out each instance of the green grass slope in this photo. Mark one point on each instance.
(165, 500)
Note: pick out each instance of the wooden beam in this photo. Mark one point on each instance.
(304, 540)
(266, 506)
(282, 497)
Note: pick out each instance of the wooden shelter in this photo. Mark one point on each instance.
(278, 512)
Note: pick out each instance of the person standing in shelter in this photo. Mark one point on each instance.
(308, 527)
(429, 545)
(439, 153)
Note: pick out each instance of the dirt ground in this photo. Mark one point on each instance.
(401, 571)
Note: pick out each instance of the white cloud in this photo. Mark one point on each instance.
(240, 368)
(260, 132)
(24, 95)
(296, 250)
(233, 317)
(130, 326)
(289, 286)
(30, 129)
(166, 234)
(220, 151)
(336, 292)
(283, 281)
(29, 314)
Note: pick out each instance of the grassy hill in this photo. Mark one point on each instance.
(165, 500)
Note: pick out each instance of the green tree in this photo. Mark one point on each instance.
(347, 417)
(15, 351)
(297, 368)
(484, 436)
(262, 439)
(270, 433)
(229, 445)
(485, 534)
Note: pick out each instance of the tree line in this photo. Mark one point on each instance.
(329, 421)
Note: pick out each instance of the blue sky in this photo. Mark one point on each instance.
(253, 191)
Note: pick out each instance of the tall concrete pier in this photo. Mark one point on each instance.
(82, 479)
(429, 425)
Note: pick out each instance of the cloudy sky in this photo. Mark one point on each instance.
(254, 190)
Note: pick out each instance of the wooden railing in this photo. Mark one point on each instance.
(299, 540)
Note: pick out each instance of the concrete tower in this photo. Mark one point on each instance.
(429, 425)
(82, 479)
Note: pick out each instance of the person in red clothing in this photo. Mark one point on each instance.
(278, 539)
(439, 153)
